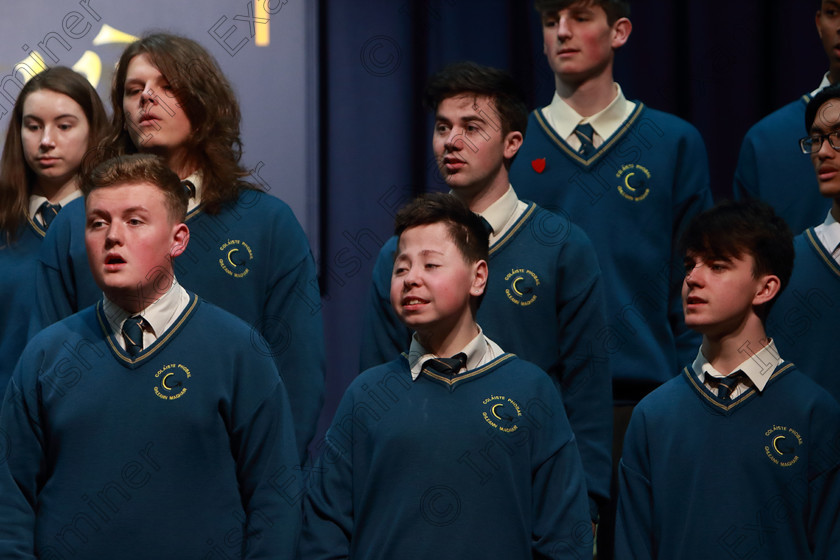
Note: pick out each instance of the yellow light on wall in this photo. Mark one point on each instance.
(262, 36)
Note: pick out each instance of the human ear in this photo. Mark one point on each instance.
(513, 141)
(769, 286)
(479, 282)
(621, 30)
(180, 239)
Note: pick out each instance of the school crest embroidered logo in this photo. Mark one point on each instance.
(633, 182)
(522, 286)
(235, 257)
(502, 413)
(782, 445)
(171, 381)
(538, 165)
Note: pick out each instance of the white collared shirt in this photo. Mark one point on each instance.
(823, 84)
(35, 202)
(481, 350)
(196, 180)
(563, 119)
(158, 316)
(828, 233)
(758, 368)
(502, 214)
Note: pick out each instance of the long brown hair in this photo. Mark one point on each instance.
(209, 103)
(16, 178)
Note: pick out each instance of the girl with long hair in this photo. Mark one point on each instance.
(57, 117)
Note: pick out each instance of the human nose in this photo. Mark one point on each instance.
(564, 31)
(148, 95)
(411, 277)
(113, 235)
(694, 275)
(47, 138)
(826, 150)
(451, 141)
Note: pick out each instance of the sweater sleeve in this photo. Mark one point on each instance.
(585, 380)
(22, 465)
(562, 526)
(263, 446)
(824, 489)
(634, 519)
(293, 328)
(328, 517)
(745, 184)
(383, 335)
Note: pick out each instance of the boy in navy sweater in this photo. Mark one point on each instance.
(739, 456)
(770, 167)
(544, 298)
(449, 458)
(137, 428)
(631, 177)
(805, 322)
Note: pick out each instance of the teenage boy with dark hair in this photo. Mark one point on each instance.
(631, 177)
(449, 458)
(544, 300)
(769, 167)
(145, 428)
(805, 322)
(739, 456)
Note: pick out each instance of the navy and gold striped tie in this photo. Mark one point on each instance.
(48, 213)
(447, 366)
(585, 134)
(132, 332)
(727, 384)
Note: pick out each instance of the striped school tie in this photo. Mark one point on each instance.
(447, 366)
(132, 332)
(48, 213)
(585, 133)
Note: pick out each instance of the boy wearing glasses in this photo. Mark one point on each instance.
(806, 319)
(768, 164)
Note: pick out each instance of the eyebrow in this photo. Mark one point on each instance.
(62, 116)
(467, 119)
(135, 209)
(423, 253)
(815, 130)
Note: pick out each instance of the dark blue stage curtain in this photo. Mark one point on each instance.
(720, 66)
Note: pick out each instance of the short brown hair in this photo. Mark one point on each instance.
(468, 77)
(465, 227)
(731, 229)
(615, 9)
(137, 169)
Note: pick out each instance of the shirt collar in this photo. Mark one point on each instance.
(499, 213)
(35, 201)
(157, 314)
(830, 233)
(758, 367)
(823, 84)
(475, 351)
(195, 179)
(605, 122)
